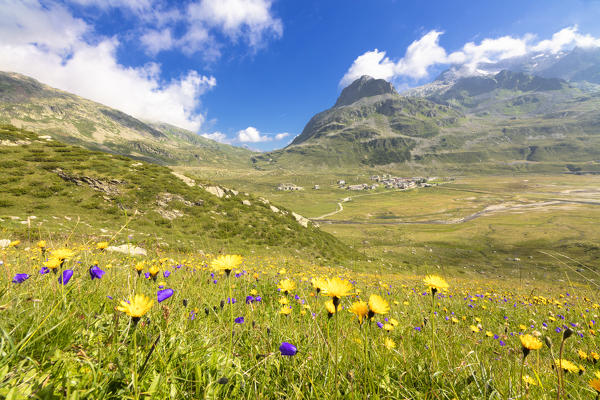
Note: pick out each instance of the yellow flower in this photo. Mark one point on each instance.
(254, 292)
(337, 288)
(594, 356)
(597, 374)
(41, 244)
(283, 301)
(318, 283)
(286, 285)
(582, 354)
(474, 329)
(489, 334)
(285, 310)
(530, 343)
(377, 305)
(454, 320)
(566, 365)
(137, 306)
(14, 243)
(101, 245)
(595, 384)
(393, 321)
(388, 327)
(154, 270)
(435, 283)
(52, 263)
(226, 263)
(62, 254)
(330, 307)
(529, 380)
(139, 267)
(360, 309)
(389, 343)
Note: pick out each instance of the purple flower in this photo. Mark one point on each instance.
(20, 278)
(239, 320)
(288, 349)
(418, 328)
(164, 294)
(192, 315)
(147, 275)
(44, 270)
(231, 300)
(65, 276)
(215, 281)
(110, 297)
(379, 325)
(249, 299)
(166, 274)
(96, 272)
(502, 343)
(258, 298)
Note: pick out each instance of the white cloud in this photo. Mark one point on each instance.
(48, 44)
(251, 135)
(217, 136)
(426, 52)
(156, 41)
(134, 5)
(282, 135)
(250, 19)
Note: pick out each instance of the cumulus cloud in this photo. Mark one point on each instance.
(251, 135)
(426, 52)
(282, 135)
(48, 44)
(217, 137)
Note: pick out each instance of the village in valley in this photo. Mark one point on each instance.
(386, 181)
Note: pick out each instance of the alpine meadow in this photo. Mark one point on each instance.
(267, 199)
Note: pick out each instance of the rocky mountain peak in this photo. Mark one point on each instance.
(365, 86)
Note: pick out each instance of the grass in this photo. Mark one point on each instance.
(70, 342)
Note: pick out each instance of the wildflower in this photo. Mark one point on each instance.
(14, 243)
(166, 274)
(582, 354)
(337, 288)
(377, 305)
(283, 301)
(52, 264)
(62, 254)
(285, 310)
(41, 244)
(489, 334)
(226, 263)
(360, 309)
(286, 285)
(566, 365)
(153, 272)
(96, 272)
(389, 343)
(44, 270)
(394, 322)
(101, 245)
(136, 307)
(162, 295)
(239, 320)
(435, 283)
(249, 299)
(20, 278)
(288, 349)
(319, 284)
(595, 384)
(330, 307)
(529, 380)
(454, 320)
(388, 327)
(66, 276)
(474, 329)
(139, 267)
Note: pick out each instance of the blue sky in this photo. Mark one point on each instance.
(253, 72)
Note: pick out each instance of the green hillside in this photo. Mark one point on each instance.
(49, 186)
(29, 104)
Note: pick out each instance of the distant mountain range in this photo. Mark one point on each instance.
(488, 121)
(537, 113)
(29, 104)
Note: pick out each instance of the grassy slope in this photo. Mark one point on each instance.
(29, 186)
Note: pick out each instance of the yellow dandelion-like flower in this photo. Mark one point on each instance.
(522, 327)
(285, 310)
(318, 283)
(435, 283)
(101, 245)
(63, 254)
(489, 334)
(394, 322)
(474, 329)
(378, 305)
(529, 342)
(41, 244)
(582, 354)
(595, 384)
(454, 320)
(136, 307)
(14, 243)
(154, 270)
(226, 263)
(52, 263)
(139, 267)
(389, 344)
(254, 292)
(286, 285)
(597, 374)
(337, 288)
(594, 356)
(566, 365)
(388, 327)
(284, 301)
(360, 309)
(330, 307)
(529, 380)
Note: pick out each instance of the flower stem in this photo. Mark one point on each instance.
(521, 377)
(433, 327)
